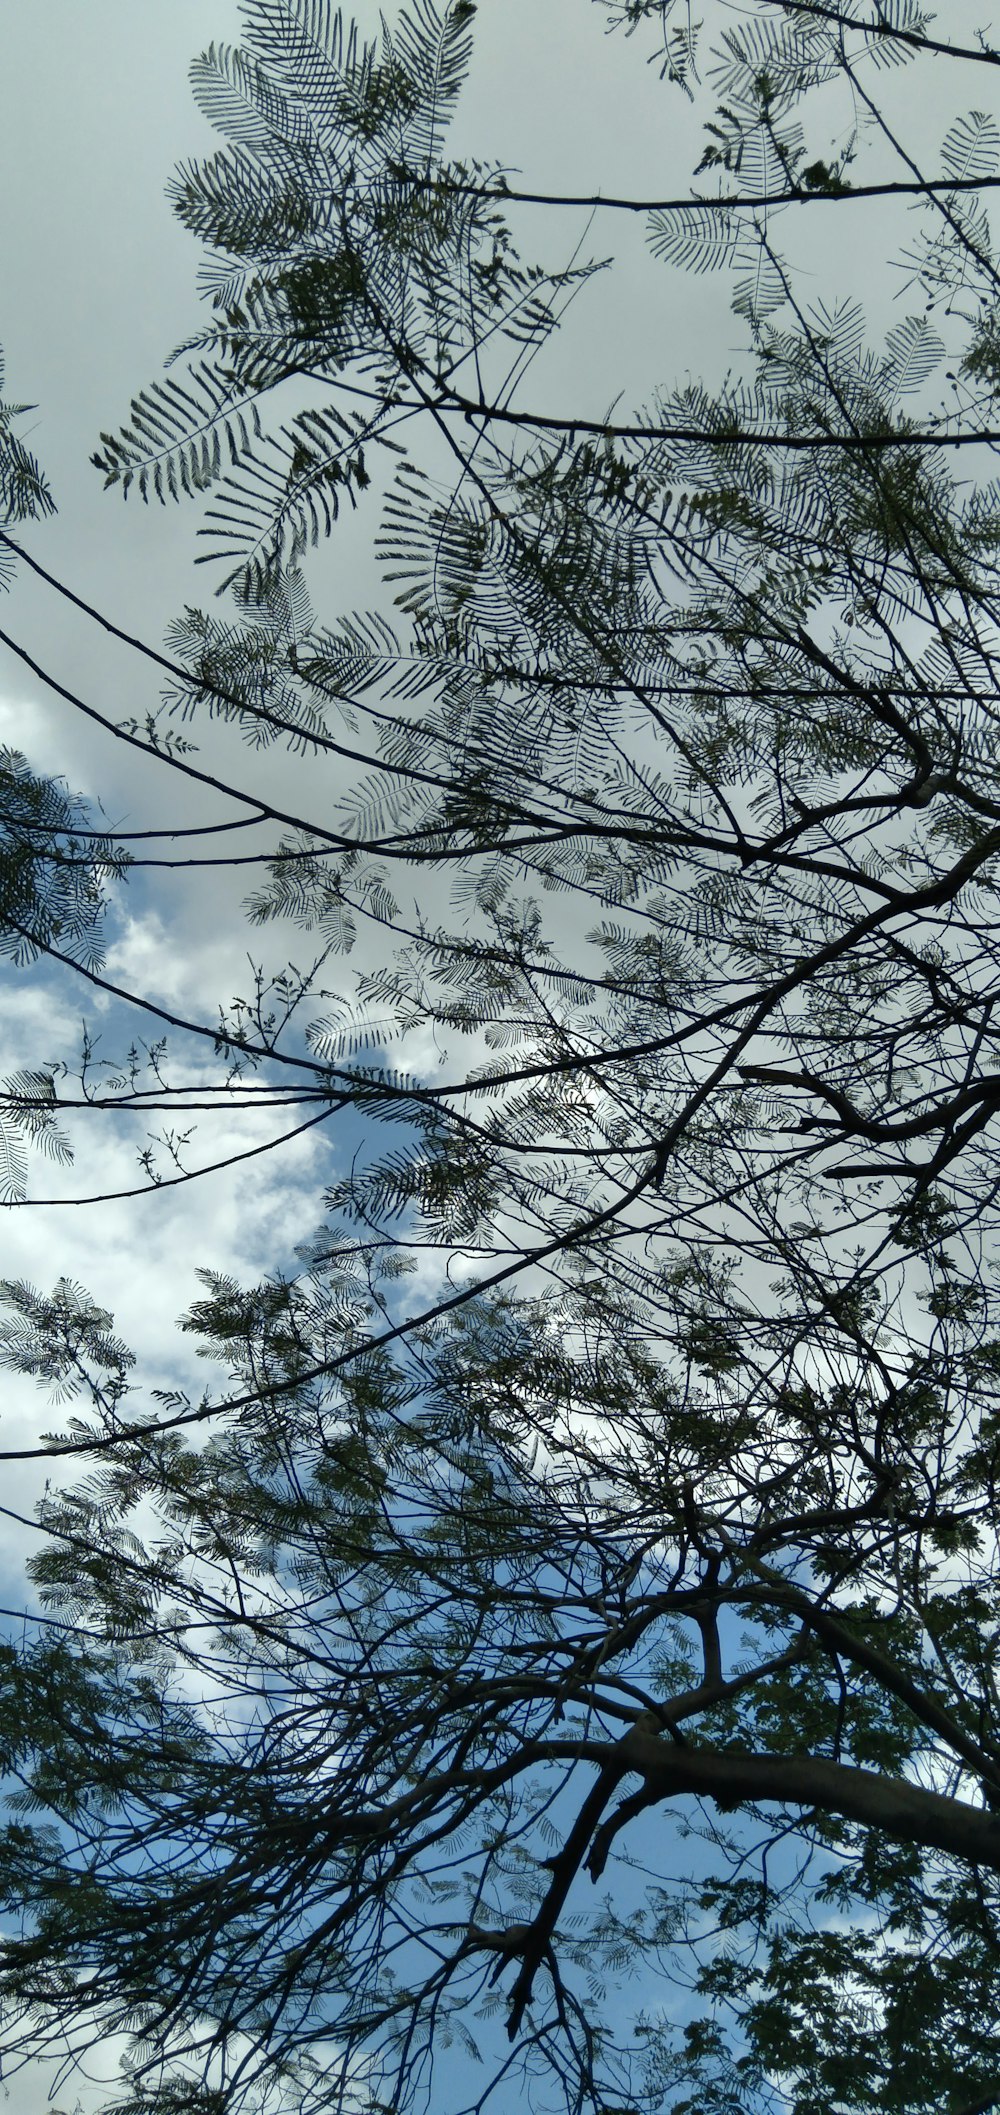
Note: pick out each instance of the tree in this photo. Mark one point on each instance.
(624, 1608)
(53, 864)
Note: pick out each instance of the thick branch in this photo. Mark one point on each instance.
(984, 1091)
(565, 1867)
(927, 1708)
(734, 1777)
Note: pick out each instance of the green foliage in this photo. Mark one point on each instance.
(24, 491)
(597, 1647)
(335, 258)
(53, 867)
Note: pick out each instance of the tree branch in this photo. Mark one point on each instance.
(733, 1777)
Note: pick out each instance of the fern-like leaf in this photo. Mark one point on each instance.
(698, 242)
(181, 436)
(24, 491)
(971, 148)
(288, 495)
(240, 99)
(914, 350)
(431, 50)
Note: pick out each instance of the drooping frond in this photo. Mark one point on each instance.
(913, 352)
(28, 1104)
(181, 436)
(240, 99)
(323, 62)
(286, 495)
(971, 147)
(24, 489)
(428, 54)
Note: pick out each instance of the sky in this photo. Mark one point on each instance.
(97, 284)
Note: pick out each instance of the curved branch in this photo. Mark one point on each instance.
(733, 1777)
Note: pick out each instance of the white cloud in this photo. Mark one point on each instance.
(177, 971)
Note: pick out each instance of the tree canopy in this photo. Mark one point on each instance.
(559, 1656)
